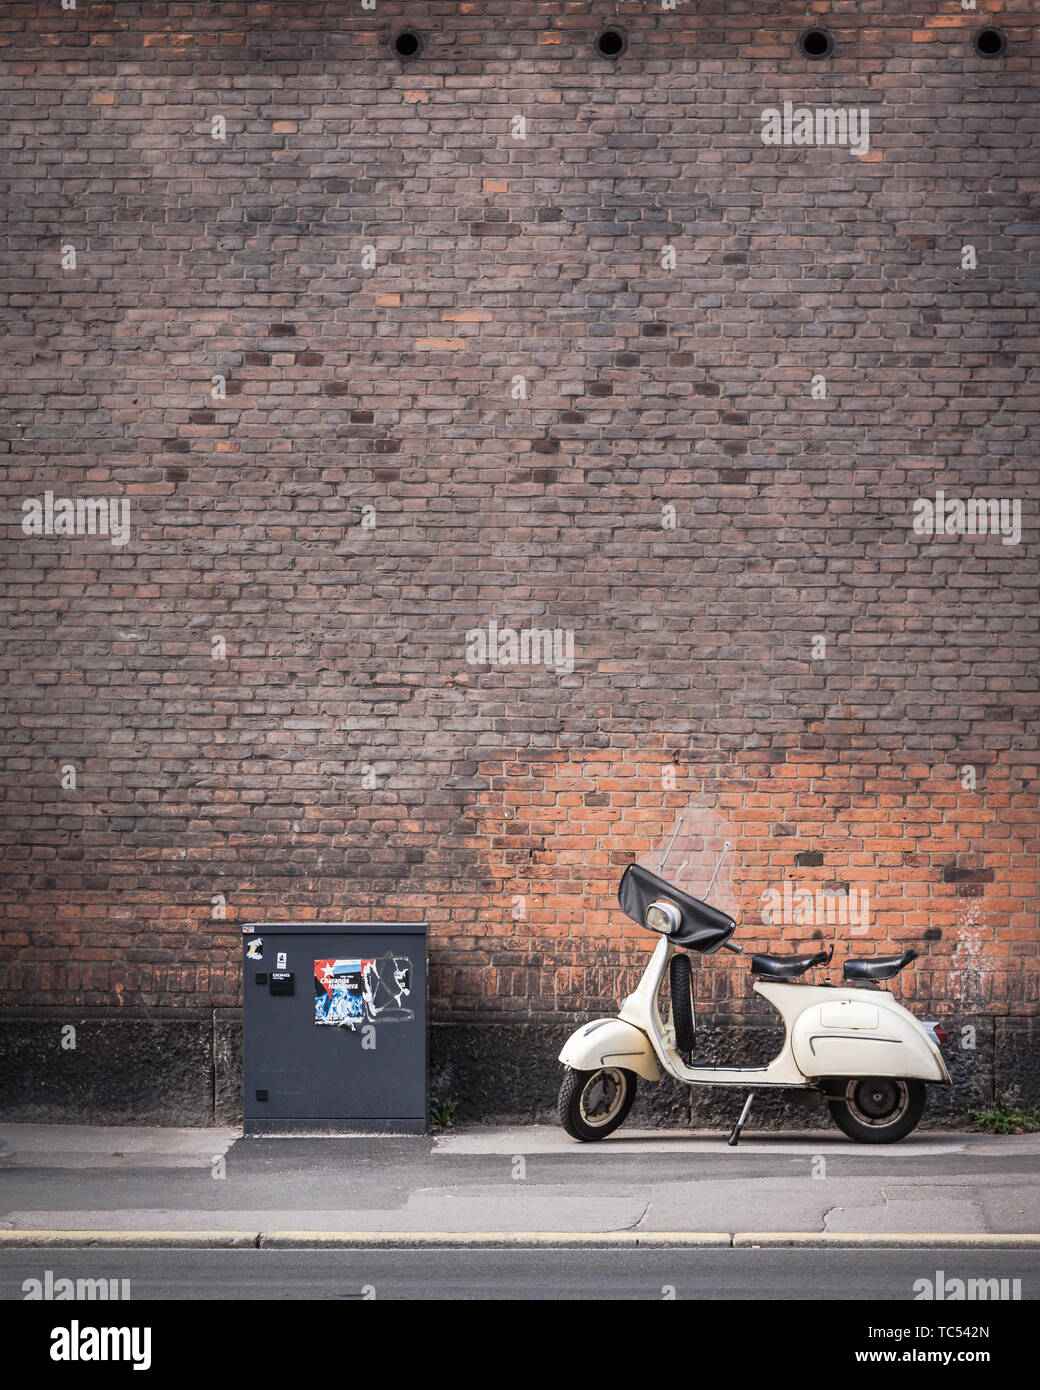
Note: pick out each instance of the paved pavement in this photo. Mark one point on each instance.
(503, 1184)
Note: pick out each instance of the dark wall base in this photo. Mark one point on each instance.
(178, 1070)
(122, 1070)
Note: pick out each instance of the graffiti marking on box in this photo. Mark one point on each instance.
(348, 993)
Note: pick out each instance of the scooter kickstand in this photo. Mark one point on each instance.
(742, 1121)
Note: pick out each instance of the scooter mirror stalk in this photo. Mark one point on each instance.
(718, 866)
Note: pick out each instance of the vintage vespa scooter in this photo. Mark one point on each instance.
(860, 1049)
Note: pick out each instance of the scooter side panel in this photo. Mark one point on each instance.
(610, 1042)
(853, 1036)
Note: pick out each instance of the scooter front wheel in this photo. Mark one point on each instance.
(593, 1104)
(877, 1111)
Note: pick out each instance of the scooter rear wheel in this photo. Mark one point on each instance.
(593, 1104)
(881, 1110)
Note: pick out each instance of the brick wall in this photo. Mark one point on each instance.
(265, 693)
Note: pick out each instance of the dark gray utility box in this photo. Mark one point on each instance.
(334, 1027)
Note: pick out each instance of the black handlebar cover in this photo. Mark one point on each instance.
(703, 927)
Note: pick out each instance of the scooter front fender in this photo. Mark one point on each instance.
(610, 1042)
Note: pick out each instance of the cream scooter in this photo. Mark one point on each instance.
(865, 1053)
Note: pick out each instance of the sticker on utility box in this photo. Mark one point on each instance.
(255, 949)
(348, 993)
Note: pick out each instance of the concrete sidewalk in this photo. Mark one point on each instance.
(522, 1185)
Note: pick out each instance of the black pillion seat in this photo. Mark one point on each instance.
(788, 967)
(877, 967)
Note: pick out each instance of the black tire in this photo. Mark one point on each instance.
(585, 1111)
(679, 979)
(877, 1111)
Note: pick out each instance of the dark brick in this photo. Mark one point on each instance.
(953, 875)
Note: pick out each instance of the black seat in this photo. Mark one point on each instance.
(877, 967)
(788, 967)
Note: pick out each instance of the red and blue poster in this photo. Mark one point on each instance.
(351, 992)
(338, 999)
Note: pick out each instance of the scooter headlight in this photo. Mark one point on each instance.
(663, 916)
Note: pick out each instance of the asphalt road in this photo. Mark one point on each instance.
(558, 1275)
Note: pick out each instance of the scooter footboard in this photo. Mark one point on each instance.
(611, 1042)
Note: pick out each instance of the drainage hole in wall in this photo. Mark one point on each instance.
(407, 44)
(611, 43)
(816, 43)
(989, 43)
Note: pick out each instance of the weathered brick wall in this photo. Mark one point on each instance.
(265, 694)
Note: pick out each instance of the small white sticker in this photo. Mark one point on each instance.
(281, 961)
